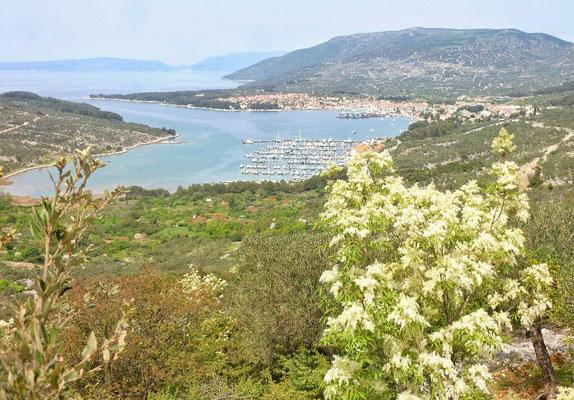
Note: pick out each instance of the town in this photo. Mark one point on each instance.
(462, 108)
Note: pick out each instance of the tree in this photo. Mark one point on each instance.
(31, 362)
(421, 283)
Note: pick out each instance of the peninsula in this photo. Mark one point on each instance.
(36, 130)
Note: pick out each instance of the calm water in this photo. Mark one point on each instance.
(213, 149)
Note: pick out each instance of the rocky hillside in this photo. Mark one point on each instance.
(420, 61)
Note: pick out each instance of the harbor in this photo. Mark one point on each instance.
(362, 114)
(299, 158)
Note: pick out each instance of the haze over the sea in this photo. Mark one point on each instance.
(183, 32)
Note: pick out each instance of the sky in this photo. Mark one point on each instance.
(181, 32)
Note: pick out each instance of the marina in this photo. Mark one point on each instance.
(362, 114)
(298, 158)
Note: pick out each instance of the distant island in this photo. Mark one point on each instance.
(88, 65)
(234, 61)
(222, 63)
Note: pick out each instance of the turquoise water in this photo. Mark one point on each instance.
(213, 149)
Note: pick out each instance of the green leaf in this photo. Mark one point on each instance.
(39, 357)
(42, 284)
(72, 375)
(53, 335)
(85, 352)
(36, 230)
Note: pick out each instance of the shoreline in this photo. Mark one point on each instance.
(162, 103)
(111, 153)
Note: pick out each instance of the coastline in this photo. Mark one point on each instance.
(178, 105)
(5, 181)
(162, 103)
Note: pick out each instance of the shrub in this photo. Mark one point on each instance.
(273, 295)
(421, 281)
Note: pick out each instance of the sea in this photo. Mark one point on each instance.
(212, 150)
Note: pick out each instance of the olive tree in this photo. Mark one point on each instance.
(32, 365)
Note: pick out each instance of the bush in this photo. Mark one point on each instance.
(273, 296)
(177, 334)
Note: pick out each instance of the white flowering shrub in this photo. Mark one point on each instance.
(565, 393)
(6, 330)
(417, 289)
(194, 284)
(206, 292)
(502, 144)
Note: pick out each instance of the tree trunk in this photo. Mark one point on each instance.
(542, 356)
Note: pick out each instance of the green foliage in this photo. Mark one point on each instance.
(301, 377)
(176, 339)
(273, 295)
(473, 109)
(536, 178)
(203, 99)
(51, 103)
(550, 235)
(6, 286)
(567, 100)
(562, 88)
(31, 362)
(420, 130)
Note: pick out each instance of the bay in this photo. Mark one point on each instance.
(212, 151)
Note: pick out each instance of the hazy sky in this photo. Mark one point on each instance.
(185, 31)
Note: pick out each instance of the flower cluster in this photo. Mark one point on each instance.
(565, 393)
(339, 375)
(413, 267)
(193, 283)
(502, 144)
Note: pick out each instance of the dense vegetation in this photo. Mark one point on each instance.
(158, 261)
(203, 99)
(51, 103)
(423, 129)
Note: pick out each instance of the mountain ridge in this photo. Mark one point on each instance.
(435, 59)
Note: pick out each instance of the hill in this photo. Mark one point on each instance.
(420, 61)
(88, 64)
(37, 130)
(234, 61)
